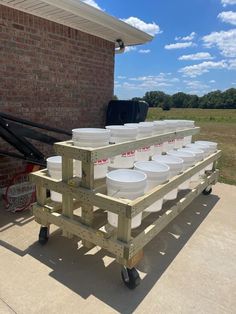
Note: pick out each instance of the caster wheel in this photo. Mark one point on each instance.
(130, 277)
(207, 191)
(43, 235)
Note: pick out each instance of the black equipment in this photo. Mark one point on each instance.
(126, 111)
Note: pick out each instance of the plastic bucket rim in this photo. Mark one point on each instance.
(160, 171)
(178, 161)
(54, 160)
(130, 171)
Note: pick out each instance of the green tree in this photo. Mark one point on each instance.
(229, 98)
(212, 100)
(155, 98)
(137, 98)
(167, 103)
(181, 100)
(193, 101)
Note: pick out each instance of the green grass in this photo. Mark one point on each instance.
(216, 125)
(200, 115)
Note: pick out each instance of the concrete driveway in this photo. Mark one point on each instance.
(189, 268)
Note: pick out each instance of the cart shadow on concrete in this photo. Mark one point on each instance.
(94, 272)
(9, 219)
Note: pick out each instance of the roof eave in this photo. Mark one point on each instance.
(116, 28)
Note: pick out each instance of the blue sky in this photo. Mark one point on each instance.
(194, 48)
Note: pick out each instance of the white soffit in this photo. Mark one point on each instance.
(81, 16)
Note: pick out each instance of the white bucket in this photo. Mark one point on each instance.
(176, 167)
(157, 173)
(198, 152)
(188, 124)
(212, 145)
(54, 170)
(160, 127)
(204, 148)
(120, 134)
(142, 154)
(189, 161)
(199, 157)
(54, 166)
(172, 126)
(92, 137)
(180, 140)
(129, 184)
(207, 151)
(151, 125)
(213, 149)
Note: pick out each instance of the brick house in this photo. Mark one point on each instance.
(57, 64)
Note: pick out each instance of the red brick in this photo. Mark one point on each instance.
(52, 74)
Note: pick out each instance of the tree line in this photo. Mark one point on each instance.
(212, 100)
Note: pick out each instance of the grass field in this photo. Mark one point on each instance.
(216, 125)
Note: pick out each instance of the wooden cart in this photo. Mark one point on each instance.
(92, 227)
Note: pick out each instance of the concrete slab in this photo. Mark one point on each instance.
(4, 308)
(189, 268)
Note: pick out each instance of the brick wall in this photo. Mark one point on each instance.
(52, 74)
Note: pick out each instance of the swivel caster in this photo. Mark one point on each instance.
(43, 235)
(130, 277)
(207, 191)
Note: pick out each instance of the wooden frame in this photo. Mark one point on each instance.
(92, 225)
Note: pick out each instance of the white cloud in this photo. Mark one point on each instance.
(197, 56)
(225, 41)
(162, 79)
(130, 48)
(93, 4)
(232, 64)
(180, 45)
(144, 83)
(204, 67)
(228, 2)
(121, 77)
(150, 28)
(228, 17)
(212, 81)
(196, 85)
(187, 38)
(144, 51)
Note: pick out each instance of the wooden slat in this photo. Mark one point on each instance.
(94, 154)
(52, 206)
(41, 195)
(116, 149)
(149, 198)
(130, 208)
(159, 224)
(67, 198)
(87, 175)
(124, 229)
(78, 229)
(68, 149)
(133, 261)
(83, 195)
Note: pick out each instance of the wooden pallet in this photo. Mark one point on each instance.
(92, 227)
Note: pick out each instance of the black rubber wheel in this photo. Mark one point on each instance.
(43, 235)
(130, 277)
(207, 191)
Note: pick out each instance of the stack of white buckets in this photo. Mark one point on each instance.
(133, 173)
